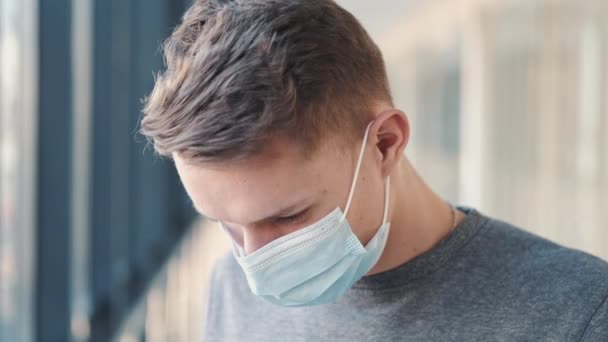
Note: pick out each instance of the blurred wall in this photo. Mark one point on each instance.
(509, 110)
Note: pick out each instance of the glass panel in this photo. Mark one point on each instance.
(17, 130)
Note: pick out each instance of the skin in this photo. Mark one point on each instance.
(265, 197)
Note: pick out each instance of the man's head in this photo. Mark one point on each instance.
(263, 104)
(242, 72)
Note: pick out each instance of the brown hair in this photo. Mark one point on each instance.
(242, 71)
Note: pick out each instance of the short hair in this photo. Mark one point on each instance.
(240, 72)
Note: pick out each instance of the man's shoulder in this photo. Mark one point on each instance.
(227, 286)
(226, 268)
(533, 254)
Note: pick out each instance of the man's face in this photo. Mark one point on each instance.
(266, 197)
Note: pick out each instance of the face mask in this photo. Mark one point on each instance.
(315, 264)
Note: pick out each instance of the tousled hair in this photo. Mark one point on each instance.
(240, 72)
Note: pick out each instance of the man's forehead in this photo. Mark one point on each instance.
(246, 192)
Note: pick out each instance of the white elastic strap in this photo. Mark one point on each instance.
(356, 177)
(386, 189)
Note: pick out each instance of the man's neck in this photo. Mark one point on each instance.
(419, 219)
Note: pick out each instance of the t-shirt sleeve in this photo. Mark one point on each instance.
(597, 329)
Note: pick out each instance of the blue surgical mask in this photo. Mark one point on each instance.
(315, 264)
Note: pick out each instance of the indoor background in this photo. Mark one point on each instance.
(98, 241)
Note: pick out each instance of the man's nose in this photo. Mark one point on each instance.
(253, 238)
(256, 238)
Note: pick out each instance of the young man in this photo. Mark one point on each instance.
(278, 116)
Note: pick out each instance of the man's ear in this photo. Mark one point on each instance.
(392, 131)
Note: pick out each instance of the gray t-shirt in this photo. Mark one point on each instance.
(485, 281)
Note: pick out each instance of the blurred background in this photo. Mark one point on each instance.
(98, 241)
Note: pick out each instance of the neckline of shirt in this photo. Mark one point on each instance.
(430, 260)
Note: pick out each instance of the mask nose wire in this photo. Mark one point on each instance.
(356, 176)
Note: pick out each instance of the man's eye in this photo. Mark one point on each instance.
(289, 219)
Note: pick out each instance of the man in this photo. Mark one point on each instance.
(279, 118)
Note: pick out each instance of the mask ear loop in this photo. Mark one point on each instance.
(386, 197)
(356, 176)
